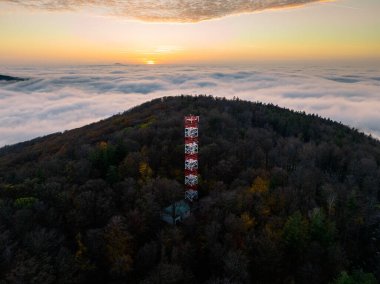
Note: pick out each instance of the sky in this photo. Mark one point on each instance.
(187, 31)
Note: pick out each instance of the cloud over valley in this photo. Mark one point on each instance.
(58, 99)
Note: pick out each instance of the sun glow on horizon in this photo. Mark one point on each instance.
(150, 62)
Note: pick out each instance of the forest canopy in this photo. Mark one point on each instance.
(285, 197)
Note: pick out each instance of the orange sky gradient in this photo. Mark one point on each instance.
(336, 30)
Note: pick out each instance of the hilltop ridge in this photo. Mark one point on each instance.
(285, 197)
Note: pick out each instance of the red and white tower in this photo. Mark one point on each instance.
(191, 157)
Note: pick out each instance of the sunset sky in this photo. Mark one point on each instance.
(146, 31)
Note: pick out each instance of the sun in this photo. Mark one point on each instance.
(150, 62)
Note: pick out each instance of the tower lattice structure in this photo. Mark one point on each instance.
(191, 157)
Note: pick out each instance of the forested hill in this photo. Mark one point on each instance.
(285, 198)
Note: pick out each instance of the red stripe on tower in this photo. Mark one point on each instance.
(191, 157)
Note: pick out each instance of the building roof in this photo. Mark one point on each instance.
(181, 207)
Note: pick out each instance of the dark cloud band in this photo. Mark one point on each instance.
(168, 10)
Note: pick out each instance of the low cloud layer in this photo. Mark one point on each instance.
(167, 10)
(59, 99)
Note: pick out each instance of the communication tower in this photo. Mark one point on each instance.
(191, 157)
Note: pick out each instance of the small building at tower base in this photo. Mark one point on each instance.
(176, 212)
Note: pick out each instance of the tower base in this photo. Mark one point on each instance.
(191, 195)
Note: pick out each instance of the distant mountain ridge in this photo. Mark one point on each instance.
(11, 78)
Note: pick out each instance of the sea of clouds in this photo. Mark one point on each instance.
(60, 98)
